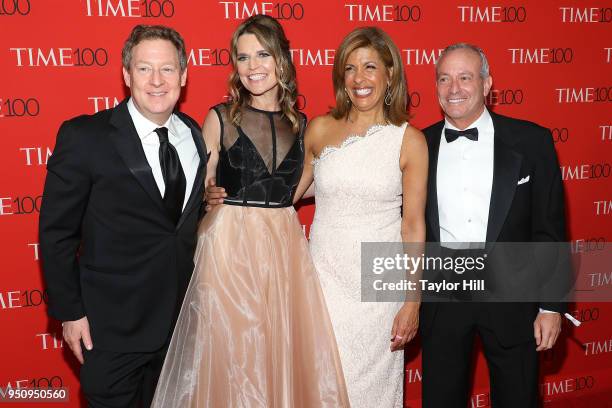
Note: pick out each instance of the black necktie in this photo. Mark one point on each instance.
(174, 178)
(452, 135)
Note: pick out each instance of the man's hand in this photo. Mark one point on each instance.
(546, 329)
(74, 331)
(214, 195)
(405, 325)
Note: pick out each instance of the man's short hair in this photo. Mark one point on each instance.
(484, 63)
(153, 32)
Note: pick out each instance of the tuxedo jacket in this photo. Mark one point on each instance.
(532, 211)
(108, 247)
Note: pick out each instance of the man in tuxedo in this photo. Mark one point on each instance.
(492, 179)
(118, 223)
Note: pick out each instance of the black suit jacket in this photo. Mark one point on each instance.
(109, 250)
(530, 212)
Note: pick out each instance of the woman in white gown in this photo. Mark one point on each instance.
(369, 168)
(370, 176)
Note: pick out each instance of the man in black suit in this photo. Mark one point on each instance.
(492, 179)
(118, 223)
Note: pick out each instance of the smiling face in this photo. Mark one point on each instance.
(256, 67)
(366, 79)
(155, 79)
(461, 89)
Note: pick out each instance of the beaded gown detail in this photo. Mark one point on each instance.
(358, 191)
(254, 331)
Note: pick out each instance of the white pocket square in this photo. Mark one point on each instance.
(523, 181)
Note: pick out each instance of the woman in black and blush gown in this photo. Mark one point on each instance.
(254, 330)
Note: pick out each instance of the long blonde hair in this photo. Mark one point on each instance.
(271, 36)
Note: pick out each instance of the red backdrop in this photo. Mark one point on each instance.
(550, 63)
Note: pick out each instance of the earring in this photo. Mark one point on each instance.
(348, 98)
(388, 96)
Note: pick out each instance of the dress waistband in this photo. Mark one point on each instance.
(259, 204)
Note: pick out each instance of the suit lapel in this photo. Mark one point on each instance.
(129, 147)
(433, 142)
(198, 183)
(506, 172)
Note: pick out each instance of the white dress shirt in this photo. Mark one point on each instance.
(179, 135)
(464, 181)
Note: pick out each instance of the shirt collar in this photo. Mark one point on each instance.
(144, 127)
(484, 124)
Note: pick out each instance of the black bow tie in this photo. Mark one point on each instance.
(452, 135)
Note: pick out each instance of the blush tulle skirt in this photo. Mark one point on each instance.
(253, 330)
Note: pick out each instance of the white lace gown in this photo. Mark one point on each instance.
(358, 199)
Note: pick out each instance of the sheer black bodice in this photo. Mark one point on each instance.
(260, 161)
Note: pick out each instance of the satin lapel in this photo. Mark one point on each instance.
(129, 147)
(506, 172)
(433, 215)
(198, 183)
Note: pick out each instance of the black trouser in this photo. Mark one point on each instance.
(120, 380)
(447, 357)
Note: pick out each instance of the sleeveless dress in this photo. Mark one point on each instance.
(254, 330)
(358, 192)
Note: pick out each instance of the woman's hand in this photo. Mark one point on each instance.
(405, 325)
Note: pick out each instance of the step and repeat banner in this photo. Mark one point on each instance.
(550, 61)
